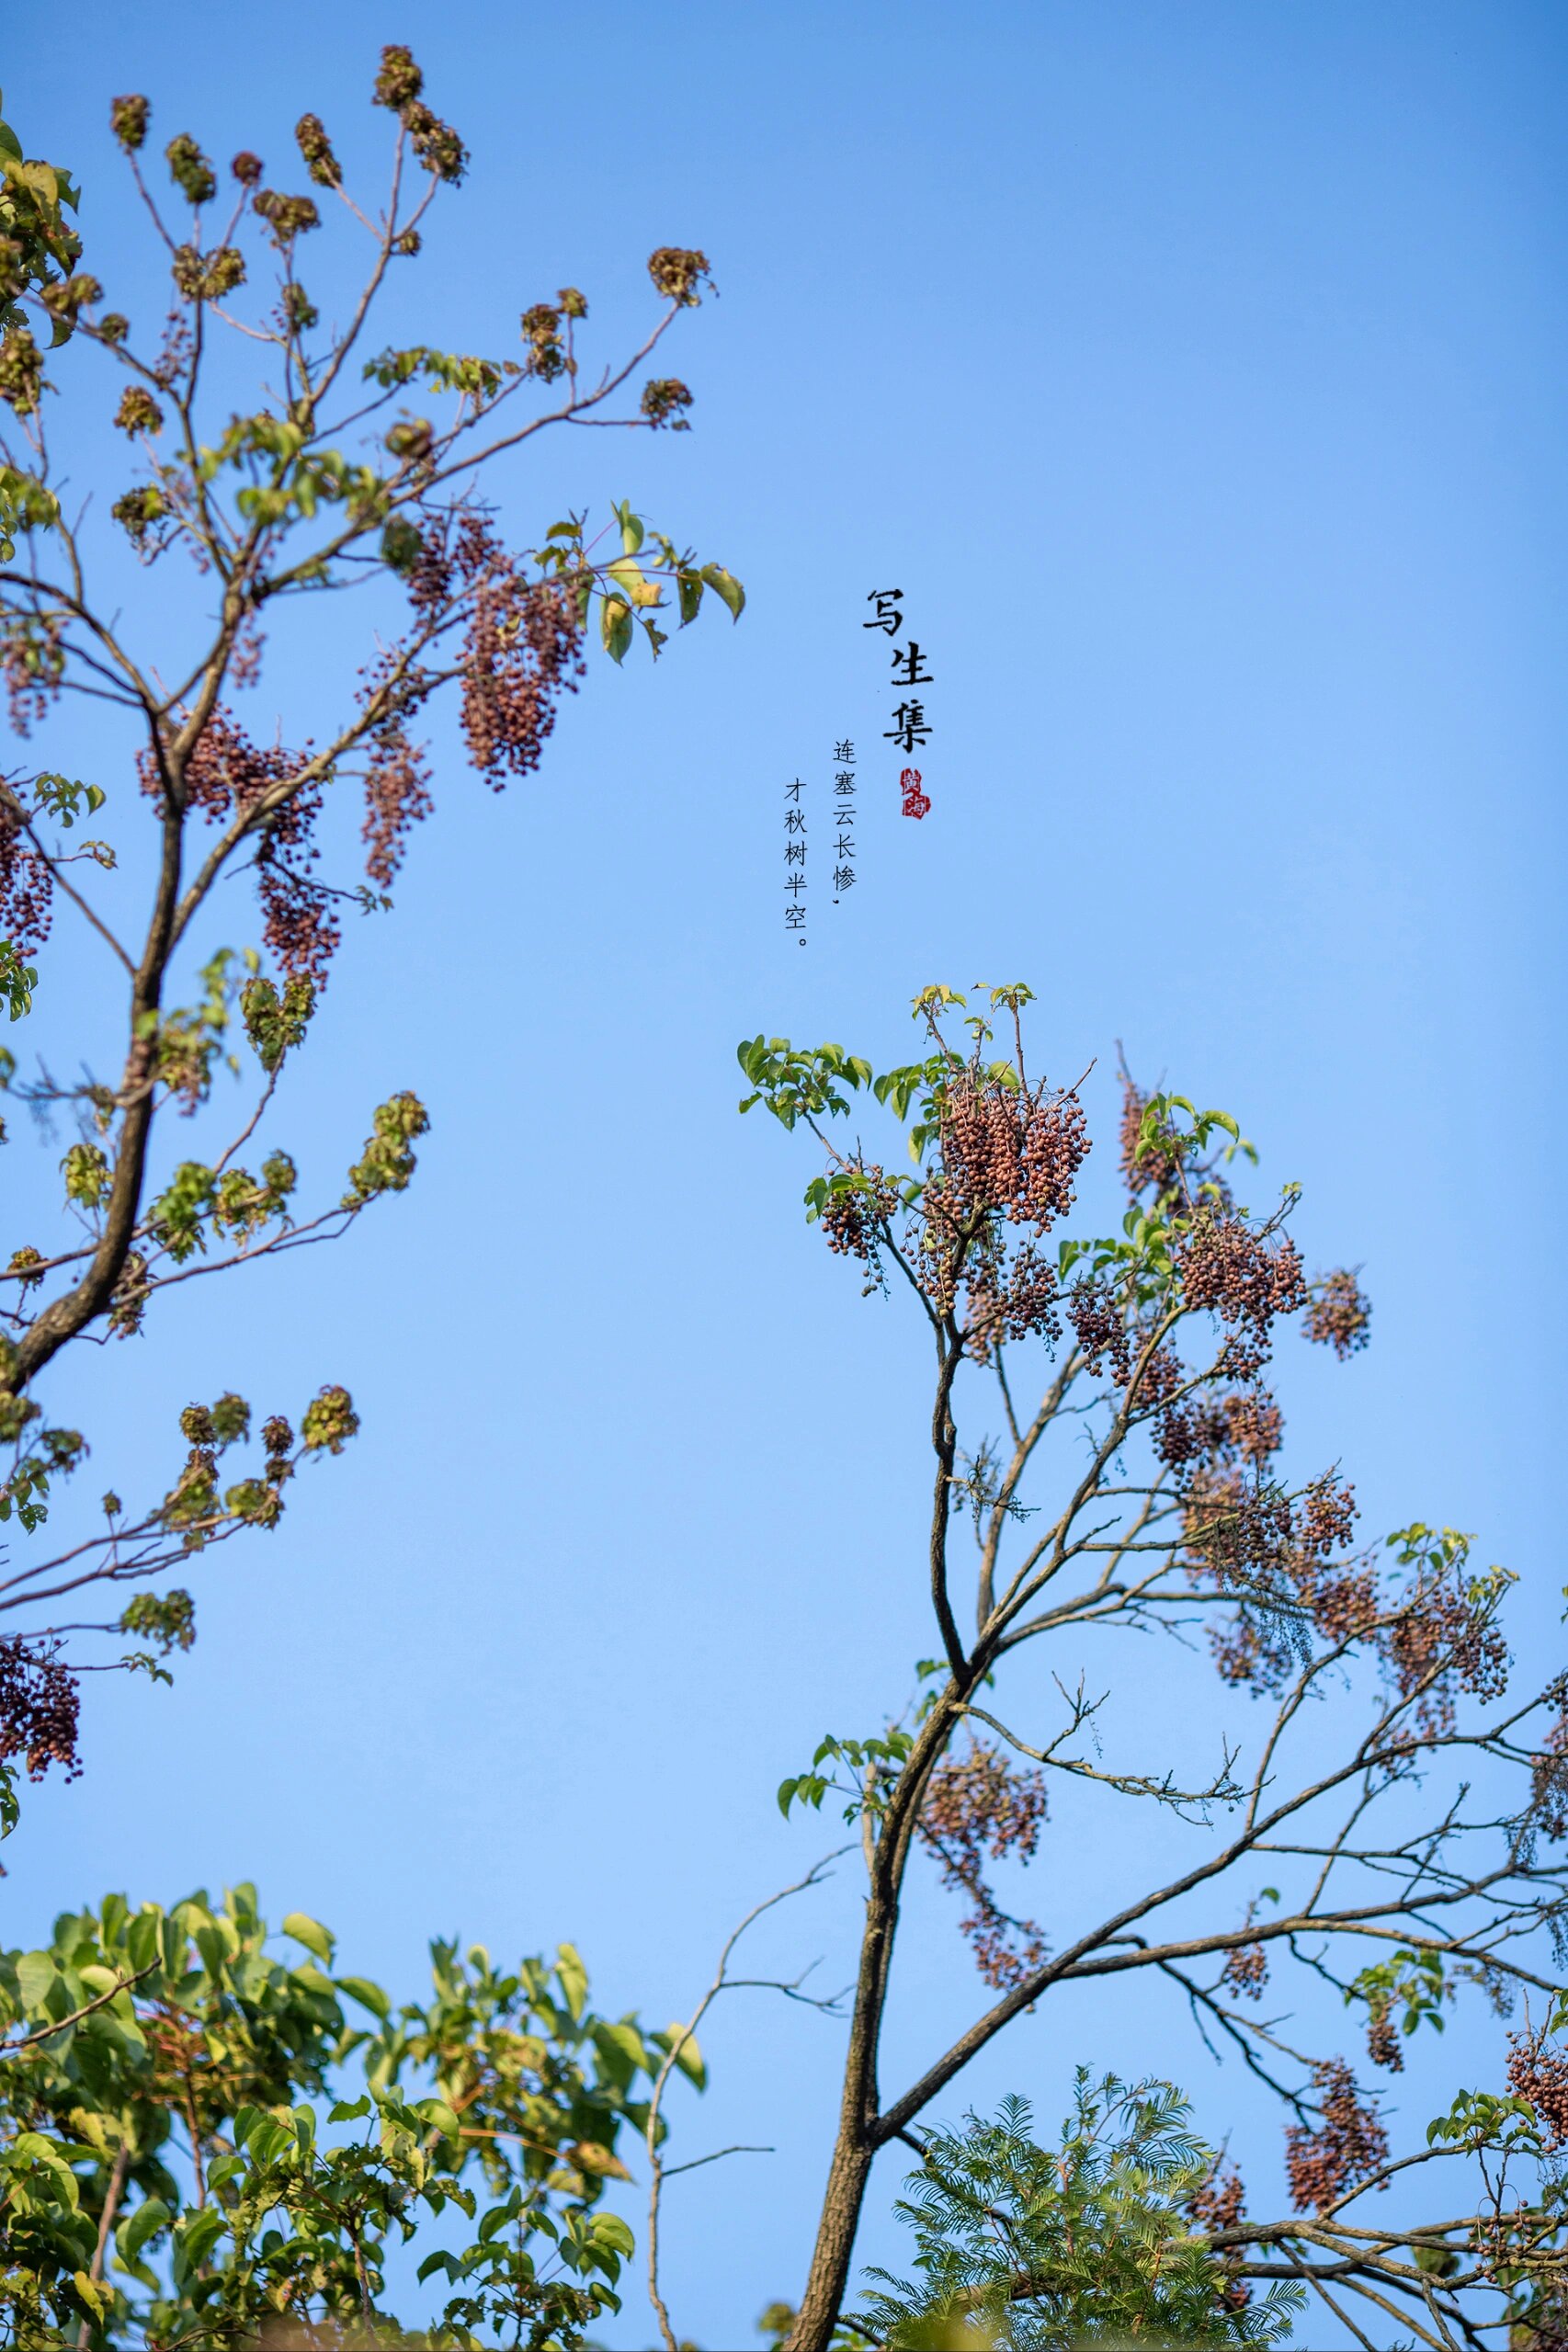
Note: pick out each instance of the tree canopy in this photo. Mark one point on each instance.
(1401, 1846)
(359, 469)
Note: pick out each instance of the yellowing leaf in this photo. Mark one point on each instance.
(614, 626)
(688, 2058)
(631, 577)
(311, 1933)
(92, 2294)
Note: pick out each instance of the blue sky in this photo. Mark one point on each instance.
(1197, 373)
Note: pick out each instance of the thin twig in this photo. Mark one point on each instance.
(722, 1982)
(46, 2033)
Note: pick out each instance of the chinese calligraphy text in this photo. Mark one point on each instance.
(795, 859)
(910, 729)
(843, 818)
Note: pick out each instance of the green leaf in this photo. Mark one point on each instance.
(151, 2216)
(196, 2236)
(268, 2140)
(439, 2116)
(725, 584)
(573, 1978)
(36, 1973)
(611, 2230)
(369, 1996)
(172, 1946)
(621, 2051)
(214, 1949)
(498, 2216)
(34, 2148)
(312, 1934)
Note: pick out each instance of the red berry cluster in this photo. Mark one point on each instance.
(1242, 1533)
(1008, 1154)
(1243, 1277)
(1345, 2151)
(299, 922)
(855, 1216)
(1247, 1425)
(1442, 1642)
(26, 888)
(1246, 1970)
(1327, 1517)
(522, 646)
(977, 1805)
(1339, 1314)
(1282, 1561)
(39, 1700)
(32, 661)
(981, 1145)
(224, 774)
(1100, 1322)
(1014, 1150)
(1538, 2076)
(1345, 1607)
(1010, 1297)
(1384, 2047)
(1220, 2203)
(397, 797)
(1255, 1425)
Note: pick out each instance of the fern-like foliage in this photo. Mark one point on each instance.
(1029, 2249)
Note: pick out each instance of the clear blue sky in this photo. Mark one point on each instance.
(1198, 374)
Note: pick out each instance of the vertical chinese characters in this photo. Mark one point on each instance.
(843, 818)
(795, 859)
(910, 729)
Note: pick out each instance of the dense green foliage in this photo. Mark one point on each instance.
(1091, 2241)
(39, 249)
(203, 2143)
